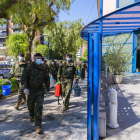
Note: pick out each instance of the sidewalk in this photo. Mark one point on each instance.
(128, 108)
(70, 125)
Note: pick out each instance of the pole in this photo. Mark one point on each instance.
(96, 85)
(89, 89)
(100, 30)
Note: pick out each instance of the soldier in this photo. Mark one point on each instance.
(44, 62)
(53, 69)
(17, 71)
(65, 75)
(83, 67)
(33, 80)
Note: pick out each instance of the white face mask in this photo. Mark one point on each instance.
(20, 58)
(42, 62)
(38, 61)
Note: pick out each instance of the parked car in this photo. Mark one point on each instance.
(6, 62)
(4, 71)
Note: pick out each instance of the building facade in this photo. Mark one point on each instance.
(133, 40)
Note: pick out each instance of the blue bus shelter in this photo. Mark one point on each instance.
(124, 20)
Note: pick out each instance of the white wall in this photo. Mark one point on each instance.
(109, 6)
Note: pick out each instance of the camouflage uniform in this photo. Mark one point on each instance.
(17, 71)
(83, 68)
(66, 74)
(53, 71)
(46, 67)
(33, 79)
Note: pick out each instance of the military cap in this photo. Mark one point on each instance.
(37, 54)
(21, 54)
(69, 55)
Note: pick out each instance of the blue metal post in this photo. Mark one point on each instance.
(100, 43)
(89, 89)
(96, 85)
(134, 59)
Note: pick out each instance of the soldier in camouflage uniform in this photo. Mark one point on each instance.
(53, 69)
(65, 75)
(17, 71)
(83, 67)
(33, 80)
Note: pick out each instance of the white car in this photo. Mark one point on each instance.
(4, 71)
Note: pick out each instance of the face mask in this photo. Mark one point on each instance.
(38, 61)
(52, 62)
(68, 59)
(20, 58)
(42, 62)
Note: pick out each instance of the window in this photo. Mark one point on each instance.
(122, 3)
(3, 67)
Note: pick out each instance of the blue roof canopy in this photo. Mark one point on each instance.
(124, 20)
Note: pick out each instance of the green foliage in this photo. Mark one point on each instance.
(117, 57)
(85, 53)
(43, 49)
(13, 81)
(33, 15)
(83, 59)
(65, 36)
(17, 43)
(55, 55)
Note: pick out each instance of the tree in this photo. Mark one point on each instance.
(85, 53)
(65, 37)
(36, 14)
(5, 5)
(83, 59)
(43, 49)
(118, 55)
(17, 43)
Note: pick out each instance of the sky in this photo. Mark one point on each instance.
(85, 9)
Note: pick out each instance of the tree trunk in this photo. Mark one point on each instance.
(28, 51)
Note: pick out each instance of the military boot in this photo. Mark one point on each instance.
(23, 102)
(31, 119)
(38, 130)
(17, 106)
(64, 109)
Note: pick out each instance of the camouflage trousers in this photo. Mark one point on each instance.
(35, 106)
(83, 74)
(66, 86)
(21, 94)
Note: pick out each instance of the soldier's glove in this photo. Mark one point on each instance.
(26, 91)
(7, 80)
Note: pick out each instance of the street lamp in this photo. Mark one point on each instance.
(35, 38)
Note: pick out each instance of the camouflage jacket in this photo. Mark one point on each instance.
(67, 71)
(17, 69)
(83, 66)
(53, 69)
(46, 65)
(34, 78)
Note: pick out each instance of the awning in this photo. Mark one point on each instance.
(124, 20)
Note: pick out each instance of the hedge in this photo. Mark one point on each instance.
(13, 81)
